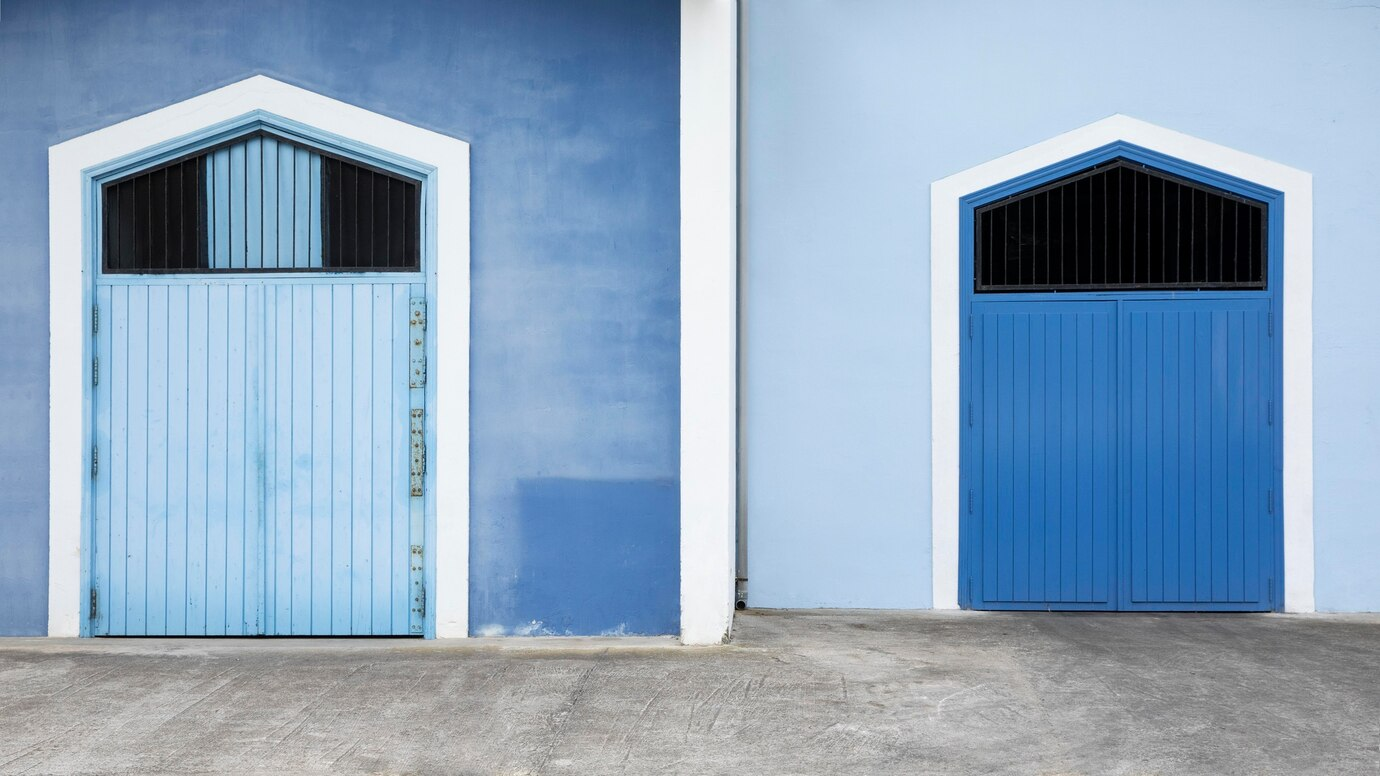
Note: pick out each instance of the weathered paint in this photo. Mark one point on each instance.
(854, 110)
(572, 112)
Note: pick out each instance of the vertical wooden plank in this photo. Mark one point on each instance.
(239, 231)
(362, 481)
(314, 215)
(269, 437)
(1202, 455)
(340, 383)
(156, 464)
(217, 464)
(1156, 459)
(1171, 434)
(301, 209)
(1188, 455)
(287, 199)
(287, 437)
(383, 483)
(299, 409)
(1220, 413)
(235, 443)
(115, 308)
(322, 517)
(416, 505)
(177, 461)
(1039, 464)
(1070, 447)
(198, 458)
(219, 206)
(268, 165)
(1088, 369)
(1006, 485)
(253, 456)
(401, 535)
(1235, 412)
(1254, 428)
(1020, 463)
(1104, 480)
(991, 443)
(254, 203)
(137, 460)
(1054, 458)
(1137, 501)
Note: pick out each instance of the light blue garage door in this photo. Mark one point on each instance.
(259, 398)
(1120, 387)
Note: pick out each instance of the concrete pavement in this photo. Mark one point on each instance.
(812, 692)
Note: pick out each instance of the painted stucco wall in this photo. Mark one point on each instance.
(572, 112)
(854, 108)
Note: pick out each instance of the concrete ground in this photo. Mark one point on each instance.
(837, 692)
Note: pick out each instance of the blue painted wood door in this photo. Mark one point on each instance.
(1119, 455)
(253, 457)
(1043, 467)
(1197, 461)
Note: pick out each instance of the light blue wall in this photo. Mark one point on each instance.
(571, 108)
(855, 107)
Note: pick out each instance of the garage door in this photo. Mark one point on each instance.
(259, 397)
(1119, 386)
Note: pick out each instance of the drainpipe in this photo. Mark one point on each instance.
(741, 585)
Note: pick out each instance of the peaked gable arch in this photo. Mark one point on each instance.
(1175, 152)
(258, 102)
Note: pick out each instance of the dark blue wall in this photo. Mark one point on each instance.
(572, 110)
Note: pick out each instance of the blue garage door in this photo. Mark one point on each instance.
(259, 396)
(1119, 444)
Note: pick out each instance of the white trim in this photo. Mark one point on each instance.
(1297, 326)
(708, 317)
(69, 448)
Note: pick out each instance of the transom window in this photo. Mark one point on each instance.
(1120, 225)
(261, 203)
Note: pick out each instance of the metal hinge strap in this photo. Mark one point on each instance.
(91, 613)
(1270, 325)
(418, 464)
(1270, 412)
(95, 319)
(95, 461)
(970, 501)
(1270, 501)
(416, 337)
(95, 370)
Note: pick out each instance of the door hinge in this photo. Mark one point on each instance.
(1270, 323)
(970, 414)
(970, 501)
(91, 612)
(420, 600)
(95, 319)
(1270, 501)
(95, 370)
(95, 461)
(416, 337)
(1270, 412)
(418, 466)
(970, 327)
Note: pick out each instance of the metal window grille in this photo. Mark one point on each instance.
(1120, 225)
(261, 203)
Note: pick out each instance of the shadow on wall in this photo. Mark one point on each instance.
(599, 557)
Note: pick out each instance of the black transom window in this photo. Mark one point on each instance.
(261, 203)
(1120, 225)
